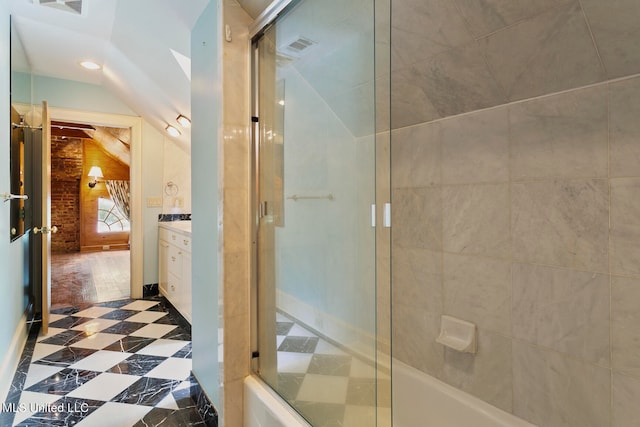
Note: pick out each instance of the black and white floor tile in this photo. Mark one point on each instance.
(327, 385)
(122, 363)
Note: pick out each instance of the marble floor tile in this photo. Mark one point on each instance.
(137, 364)
(94, 311)
(163, 347)
(119, 314)
(146, 391)
(63, 382)
(98, 341)
(104, 387)
(96, 376)
(299, 344)
(140, 305)
(130, 344)
(153, 331)
(66, 356)
(172, 368)
(147, 316)
(293, 362)
(120, 414)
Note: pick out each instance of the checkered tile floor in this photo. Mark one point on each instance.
(326, 385)
(122, 363)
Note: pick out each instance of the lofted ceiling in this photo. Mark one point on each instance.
(142, 45)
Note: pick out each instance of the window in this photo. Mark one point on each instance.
(109, 217)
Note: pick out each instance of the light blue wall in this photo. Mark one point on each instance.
(206, 101)
(78, 96)
(11, 278)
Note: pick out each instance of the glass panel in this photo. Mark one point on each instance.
(316, 189)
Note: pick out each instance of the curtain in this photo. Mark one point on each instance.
(119, 193)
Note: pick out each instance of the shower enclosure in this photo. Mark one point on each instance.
(507, 138)
(321, 224)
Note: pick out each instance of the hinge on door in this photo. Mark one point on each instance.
(255, 354)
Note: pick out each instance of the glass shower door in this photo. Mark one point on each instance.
(318, 205)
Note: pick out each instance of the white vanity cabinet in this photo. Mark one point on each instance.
(174, 260)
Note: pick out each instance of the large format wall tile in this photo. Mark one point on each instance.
(476, 219)
(626, 411)
(414, 339)
(415, 156)
(475, 148)
(423, 28)
(625, 318)
(487, 16)
(562, 309)
(552, 52)
(563, 135)
(458, 81)
(409, 102)
(561, 222)
(616, 28)
(478, 290)
(417, 218)
(625, 226)
(625, 128)
(553, 390)
(417, 279)
(486, 374)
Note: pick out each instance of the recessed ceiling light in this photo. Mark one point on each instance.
(184, 121)
(90, 65)
(172, 131)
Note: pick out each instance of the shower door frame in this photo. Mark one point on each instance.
(380, 212)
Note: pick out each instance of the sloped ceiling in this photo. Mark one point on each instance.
(137, 42)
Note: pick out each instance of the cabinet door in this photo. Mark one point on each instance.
(175, 261)
(163, 264)
(186, 300)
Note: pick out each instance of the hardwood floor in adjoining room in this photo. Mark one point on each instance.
(89, 277)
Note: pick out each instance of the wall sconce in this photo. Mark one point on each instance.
(95, 172)
(172, 131)
(183, 121)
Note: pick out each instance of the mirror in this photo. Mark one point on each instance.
(20, 105)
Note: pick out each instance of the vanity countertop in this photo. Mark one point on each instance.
(180, 226)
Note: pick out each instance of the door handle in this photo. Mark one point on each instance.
(45, 230)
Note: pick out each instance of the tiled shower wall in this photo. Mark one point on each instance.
(516, 197)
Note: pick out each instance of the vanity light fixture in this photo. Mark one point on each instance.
(95, 172)
(90, 65)
(172, 131)
(184, 121)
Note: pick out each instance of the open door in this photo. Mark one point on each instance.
(42, 228)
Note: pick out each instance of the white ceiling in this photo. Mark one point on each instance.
(136, 41)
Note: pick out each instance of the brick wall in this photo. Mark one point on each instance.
(66, 171)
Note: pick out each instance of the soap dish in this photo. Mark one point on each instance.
(458, 335)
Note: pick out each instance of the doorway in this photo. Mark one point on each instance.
(90, 180)
(104, 262)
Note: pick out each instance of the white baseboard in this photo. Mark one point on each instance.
(11, 358)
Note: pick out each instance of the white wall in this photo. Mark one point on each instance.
(12, 332)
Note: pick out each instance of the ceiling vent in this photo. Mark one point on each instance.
(75, 7)
(297, 47)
